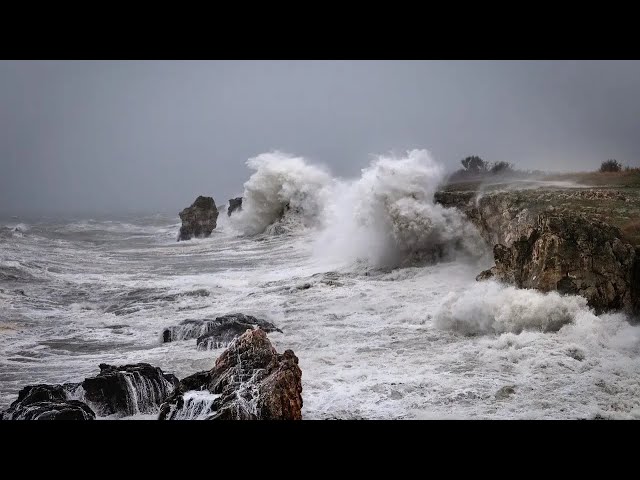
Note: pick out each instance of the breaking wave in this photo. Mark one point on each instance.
(387, 217)
(491, 307)
(284, 193)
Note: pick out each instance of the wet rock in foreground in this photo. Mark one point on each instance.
(128, 389)
(47, 402)
(250, 381)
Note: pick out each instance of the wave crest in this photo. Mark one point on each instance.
(388, 216)
(284, 189)
(491, 307)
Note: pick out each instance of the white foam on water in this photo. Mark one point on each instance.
(373, 340)
(197, 406)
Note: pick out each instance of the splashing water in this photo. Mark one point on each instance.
(283, 187)
(422, 341)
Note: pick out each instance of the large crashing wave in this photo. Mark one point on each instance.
(284, 192)
(388, 217)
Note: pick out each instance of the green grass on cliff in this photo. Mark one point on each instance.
(613, 198)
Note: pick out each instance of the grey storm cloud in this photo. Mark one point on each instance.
(117, 136)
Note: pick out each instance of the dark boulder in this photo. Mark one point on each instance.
(199, 219)
(221, 331)
(250, 381)
(47, 402)
(234, 204)
(185, 330)
(67, 410)
(128, 389)
(218, 332)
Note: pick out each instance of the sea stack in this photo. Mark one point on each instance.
(234, 204)
(199, 219)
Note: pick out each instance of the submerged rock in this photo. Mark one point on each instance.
(128, 389)
(250, 381)
(505, 392)
(47, 402)
(199, 219)
(234, 204)
(216, 333)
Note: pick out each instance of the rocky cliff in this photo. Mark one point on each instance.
(579, 241)
(199, 219)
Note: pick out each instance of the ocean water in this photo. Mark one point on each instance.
(372, 285)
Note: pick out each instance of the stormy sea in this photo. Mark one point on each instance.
(369, 281)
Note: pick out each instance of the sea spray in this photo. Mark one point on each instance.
(283, 189)
(491, 307)
(388, 217)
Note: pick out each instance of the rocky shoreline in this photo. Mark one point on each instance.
(250, 381)
(558, 239)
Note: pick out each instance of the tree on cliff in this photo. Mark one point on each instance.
(501, 168)
(610, 166)
(474, 164)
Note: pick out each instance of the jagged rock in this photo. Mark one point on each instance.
(484, 275)
(47, 402)
(223, 330)
(216, 333)
(187, 329)
(199, 219)
(234, 204)
(128, 389)
(573, 256)
(536, 245)
(67, 410)
(250, 381)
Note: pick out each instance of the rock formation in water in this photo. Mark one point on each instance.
(538, 245)
(47, 402)
(128, 389)
(234, 204)
(125, 390)
(250, 381)
(199, 219)
(216, 333)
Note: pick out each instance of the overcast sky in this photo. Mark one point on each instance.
(151, 136)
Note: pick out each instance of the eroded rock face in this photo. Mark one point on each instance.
(250, 381)
(47, 402)
(550, 249)
(574, 256)
(234, 204)
(216, 333)
(128, 389)
(199, 219)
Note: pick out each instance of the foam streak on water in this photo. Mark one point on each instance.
(378, 335)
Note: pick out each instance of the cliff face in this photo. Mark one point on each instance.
(558, 240)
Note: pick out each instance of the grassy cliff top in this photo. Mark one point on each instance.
(613, 198)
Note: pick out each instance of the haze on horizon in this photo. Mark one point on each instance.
(118, 136)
